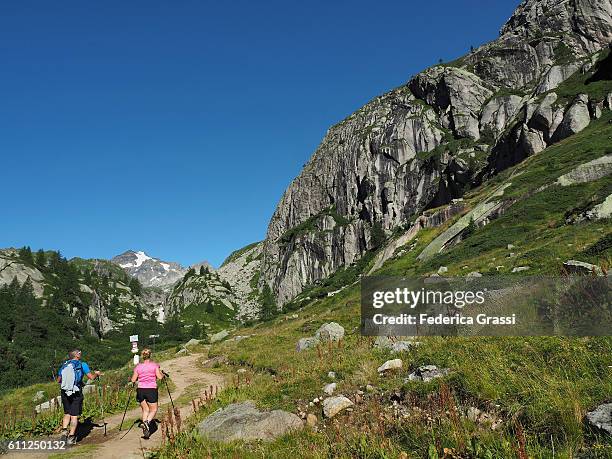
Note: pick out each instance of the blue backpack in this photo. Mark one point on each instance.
(71, 373)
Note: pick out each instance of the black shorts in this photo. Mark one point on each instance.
(73, 404)
(150, 395)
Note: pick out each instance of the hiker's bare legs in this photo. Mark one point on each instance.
(145, 410)
(66, 421)
(152, 411)
(74, 422)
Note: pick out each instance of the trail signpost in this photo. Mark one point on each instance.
(134, 341)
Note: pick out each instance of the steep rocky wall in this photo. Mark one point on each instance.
(421, 145)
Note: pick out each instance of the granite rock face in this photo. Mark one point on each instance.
(422, 145)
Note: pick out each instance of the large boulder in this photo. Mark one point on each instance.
(546, 117)
(219, 336)
(243, 421)
(394, 364)
(601, 417)
(192, 342)
(581, 267)
(333, 405)
(576, 119)
(330, 332)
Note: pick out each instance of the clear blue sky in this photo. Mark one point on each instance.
(174, 127)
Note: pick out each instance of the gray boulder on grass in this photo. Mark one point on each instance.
(219, 336)
(330, 332)
(243, 421)
(427, 373)
(333, 405)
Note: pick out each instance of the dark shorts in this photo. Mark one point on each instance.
(73, 404)
(150, 395)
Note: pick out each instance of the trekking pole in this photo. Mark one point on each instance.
(127, 402)
(167, 388)
(101, 392)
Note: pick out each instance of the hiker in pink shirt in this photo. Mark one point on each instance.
(147, 373)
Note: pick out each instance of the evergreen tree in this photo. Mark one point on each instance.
(41, 259)
(25, 255)
(135, 286)
(469, 230)
(196, 331)
(268, 304)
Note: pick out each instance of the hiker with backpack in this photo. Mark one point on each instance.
(147, 373)
(71, 377)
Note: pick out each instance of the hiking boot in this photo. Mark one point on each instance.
(64, 435)
(146, 432)
(72, 440)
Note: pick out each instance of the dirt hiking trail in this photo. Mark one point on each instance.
(184, 372)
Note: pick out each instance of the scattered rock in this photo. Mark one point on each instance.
(580, 267)
(427, 373)
(474, 274)
(40, 395)
(241, 370)
(370, 388)
(510, 246)
(330, 332)
(601, 417)
(330, 388)
(442, 270)
(519, 269)
(219, 336)
(333, 405)
(390, 365)
(240, 338)
(331, 375)
(384, 342)
(182, 352)
(311, 420)
(306, 343)
(243, 421)
(192, 342)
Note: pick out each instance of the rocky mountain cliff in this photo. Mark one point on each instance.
(448, 129)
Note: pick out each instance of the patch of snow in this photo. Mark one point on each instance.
(141, 257)
(166, 266)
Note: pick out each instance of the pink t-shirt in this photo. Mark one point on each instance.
(147, 378)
